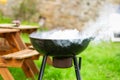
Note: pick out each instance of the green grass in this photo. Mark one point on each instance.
(25, 37)
(99, 62)
(4, 19)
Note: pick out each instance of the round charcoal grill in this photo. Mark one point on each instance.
(63, 51)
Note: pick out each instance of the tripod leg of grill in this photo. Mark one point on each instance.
(80, 60)
(76, 68)
(42, 67)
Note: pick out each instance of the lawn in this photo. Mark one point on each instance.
(99, 62)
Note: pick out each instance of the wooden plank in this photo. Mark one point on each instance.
(3, 30)
(6, 75)
(36, 57)
(27, 55)
(21, 54)
(16, 54)
(11, 26)
(23, 28)
(10, 63)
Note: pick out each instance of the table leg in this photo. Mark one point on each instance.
(28, 72)
(6, 74)
(32, 66)
(49, 61)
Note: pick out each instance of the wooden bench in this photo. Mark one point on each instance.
(20, 59)
(23, 54)
(18, 55)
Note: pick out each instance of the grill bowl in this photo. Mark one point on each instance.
(59, 47)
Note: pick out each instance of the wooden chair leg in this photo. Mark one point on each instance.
(28, 72)
(6, 75)
(32, 66)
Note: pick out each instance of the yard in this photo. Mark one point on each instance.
(99, 62)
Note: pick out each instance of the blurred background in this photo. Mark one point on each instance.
(99, 16)
(102, 17)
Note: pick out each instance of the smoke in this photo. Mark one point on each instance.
(67, 34)
(102, 27)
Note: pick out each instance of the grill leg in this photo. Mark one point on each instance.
(42, 67)
(76, 68)
(80, 60)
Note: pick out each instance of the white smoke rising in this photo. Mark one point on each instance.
(67, 34)
(62, 34)
(102, 28)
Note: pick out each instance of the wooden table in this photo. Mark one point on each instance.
(11, 41)
(23, 28)
(14, 43)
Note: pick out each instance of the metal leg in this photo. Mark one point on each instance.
(80, 60)
(42, 67)
(76, 68)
